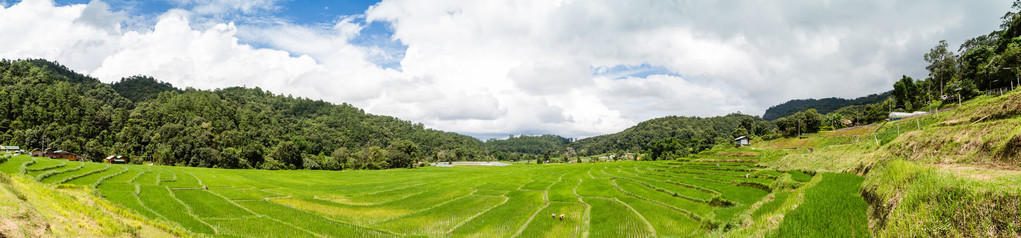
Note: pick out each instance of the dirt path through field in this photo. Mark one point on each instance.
(979, 172)
(586, 219)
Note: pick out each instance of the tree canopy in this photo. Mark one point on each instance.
(693, 134)
(49, 106)
(823, 106)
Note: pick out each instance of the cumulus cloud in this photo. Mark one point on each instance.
(575, 68)
(38, 29)
(99, 15)
(733, 56)
(209, 58)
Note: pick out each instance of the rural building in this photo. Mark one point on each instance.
(116, 159)
(846, 122)
(10, 148)
(742, 141)
(60, 154)
(901, 115)
(41, 152)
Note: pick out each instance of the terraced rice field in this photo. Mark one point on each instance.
(618, 199)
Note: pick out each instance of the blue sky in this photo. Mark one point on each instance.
(498, 67)
(301, 12)
(296, 11)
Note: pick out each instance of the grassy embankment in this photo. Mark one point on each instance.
(951, 174)
(29, 208)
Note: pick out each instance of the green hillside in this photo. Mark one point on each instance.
(935, 175)
(528, 144)
(151, 121)
(823, 106)
(29, 208)
(695, 133)
(47, 105)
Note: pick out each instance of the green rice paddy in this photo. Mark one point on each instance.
(618, 199)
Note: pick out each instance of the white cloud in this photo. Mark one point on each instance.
(37, 29)
(215, 7)
(498, 67)
(98, 15)
(208, 58)
(657, 95)
(733, 56)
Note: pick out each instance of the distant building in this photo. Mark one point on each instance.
(41, 152)
(10, 148)
(60, 154)
(742, 141)
(846, 122)
(901, 115)
(116, 159)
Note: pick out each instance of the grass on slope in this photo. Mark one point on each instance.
(916, 200)
(832, 207)
(32, 209)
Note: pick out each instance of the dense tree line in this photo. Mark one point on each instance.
(823, 106)
(661, 138)
(48, 106)
(528, 144)
(811, 121)
(526, 147)
(675, 136)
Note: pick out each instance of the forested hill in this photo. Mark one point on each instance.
(692, 133)
(46, 105)
(141, 88)
(528, 144)
(823, 106)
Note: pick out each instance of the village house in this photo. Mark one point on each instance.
(10, 149)
(116, 159)
(847, 122)
(742, 141)
(60, 154)
(41, 152)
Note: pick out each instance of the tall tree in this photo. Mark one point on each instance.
(976, 62)
(905, 92)
(287, 152)
(942, 64)
(402, 154)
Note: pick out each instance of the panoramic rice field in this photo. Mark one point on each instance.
(608, 199)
